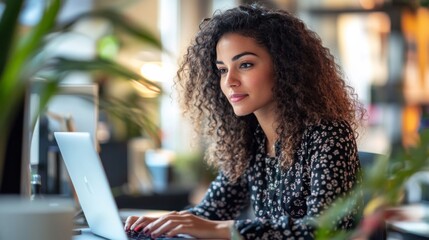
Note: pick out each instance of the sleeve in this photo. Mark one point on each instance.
(333, 166)
(223, 200)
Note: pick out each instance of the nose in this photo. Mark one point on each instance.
(232, 79)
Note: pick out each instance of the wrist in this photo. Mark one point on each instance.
(227, 230)
(233, 232)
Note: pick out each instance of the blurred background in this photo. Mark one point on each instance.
(152, 157)
(382, 46)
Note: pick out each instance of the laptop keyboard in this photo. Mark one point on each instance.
(141, 236)
(137, 235)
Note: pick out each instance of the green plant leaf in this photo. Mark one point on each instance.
(12, 85)
(28, 57)
(54, 71)
(133, 112)
(424, 3)
(11, 81)
(120, 22)
(326, 223)
(27, 47)
(63, 65)
(386, 181)
(8, 24)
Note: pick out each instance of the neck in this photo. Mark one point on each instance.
(269, 126)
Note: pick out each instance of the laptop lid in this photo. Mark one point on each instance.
(91, 185)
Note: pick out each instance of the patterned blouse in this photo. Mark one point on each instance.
(284, 202)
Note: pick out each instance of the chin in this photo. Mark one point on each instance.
(241, 113)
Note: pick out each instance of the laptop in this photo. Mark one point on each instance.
(91, 185)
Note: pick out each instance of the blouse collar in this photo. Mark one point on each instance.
(261, 141)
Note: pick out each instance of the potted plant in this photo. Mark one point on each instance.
(23, 58)
(383, 185)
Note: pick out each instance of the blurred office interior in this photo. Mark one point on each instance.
(382, 46)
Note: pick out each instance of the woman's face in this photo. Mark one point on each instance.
(247, 74)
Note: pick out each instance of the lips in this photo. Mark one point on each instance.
(234, 98)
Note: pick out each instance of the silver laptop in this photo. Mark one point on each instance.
(91, 185)
(90, 182)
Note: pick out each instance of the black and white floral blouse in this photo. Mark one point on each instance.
(284, 202)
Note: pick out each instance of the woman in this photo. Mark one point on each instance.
(282, 124)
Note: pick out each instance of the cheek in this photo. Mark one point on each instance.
(222, 88)
(270, 82)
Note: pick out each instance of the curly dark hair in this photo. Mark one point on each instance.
(309, 86)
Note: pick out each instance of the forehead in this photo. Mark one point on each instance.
(233, 43)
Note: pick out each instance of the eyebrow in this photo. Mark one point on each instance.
(238, 56)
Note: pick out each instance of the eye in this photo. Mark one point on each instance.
(222, 71)
(246, 65)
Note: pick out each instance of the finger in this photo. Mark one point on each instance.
(186, 214)
(141, 222)
(130, 220)
(163, 217)
(167, 227)
(153, 226)
(180, 229)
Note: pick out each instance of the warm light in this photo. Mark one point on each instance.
(371, 4)
(410, 125)
(379, 22)
(143, 90)
(152, 71)
(367, 4)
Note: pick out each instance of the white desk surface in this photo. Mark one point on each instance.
(417, 223)
(419, 228)
(416, 228)
(86, 235)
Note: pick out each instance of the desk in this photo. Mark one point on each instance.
(417, 226)
(409, 230)
(87, 235)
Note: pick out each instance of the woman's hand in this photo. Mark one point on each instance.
(183, 222)
(135, 223)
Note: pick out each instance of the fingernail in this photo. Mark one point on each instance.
(145, 230)
(137, 229)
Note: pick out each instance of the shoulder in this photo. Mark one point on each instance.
(329, 129)
(330, 136)
(331, 144)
